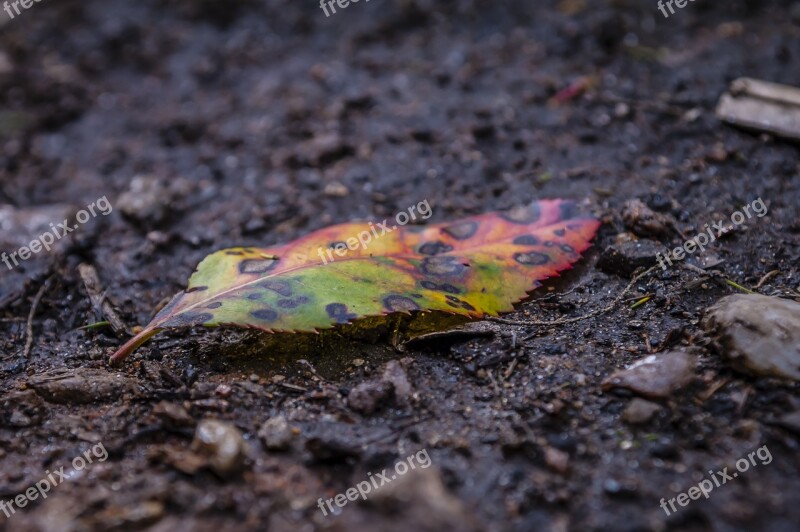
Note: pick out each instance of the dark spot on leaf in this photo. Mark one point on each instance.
(215, 304)
(256, 265)
(196, 289)
(458, 303)
(434, 248)
(531, 258)
(236, 253)
(443, 266)
(293, 303)
(522, 215)
(280, 287)
(560, 232)
(397, 303)
(417, 296)
(332, 245)
(461, 231)
(191, 319)
(549, 244)
(526, 240)
(338, 312)
(253, 296)
(567, 248)
(265, 314)
(444, 287)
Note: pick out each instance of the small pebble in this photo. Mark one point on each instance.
(275, 433)
(655, 376)
(639, 411)
(223, 445)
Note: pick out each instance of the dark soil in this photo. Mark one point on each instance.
(266, 120)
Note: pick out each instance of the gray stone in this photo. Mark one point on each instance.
(146, 200)
(655, 376)
(759, 335)
(640, 411)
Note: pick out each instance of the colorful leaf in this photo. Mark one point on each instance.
(474, 267)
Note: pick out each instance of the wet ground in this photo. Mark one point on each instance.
(208, 125)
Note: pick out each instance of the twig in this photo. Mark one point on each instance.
(29, 327)
(510, 369)
(293, 387)
(100, 302)
(766, 278)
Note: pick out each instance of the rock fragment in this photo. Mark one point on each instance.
(146, 200)
(396, 375)
(655, 376)
(644, 221)
(173, 415)
(81, 386)
(640, 411)
(393, 384)
(759, 335)
(368, 397)
(222, 444)
(276, 433)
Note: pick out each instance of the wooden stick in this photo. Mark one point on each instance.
(100, 302)
(31, 314)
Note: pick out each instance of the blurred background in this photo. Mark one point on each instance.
(211, 124)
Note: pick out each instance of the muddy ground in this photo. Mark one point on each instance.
(252, 123)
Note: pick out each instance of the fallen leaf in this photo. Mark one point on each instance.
(473, 267)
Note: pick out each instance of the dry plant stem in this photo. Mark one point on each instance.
(99, 300)
(31, 314)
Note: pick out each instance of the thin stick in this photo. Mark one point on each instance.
(766, 278)
(101, 304)
(29, 328)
